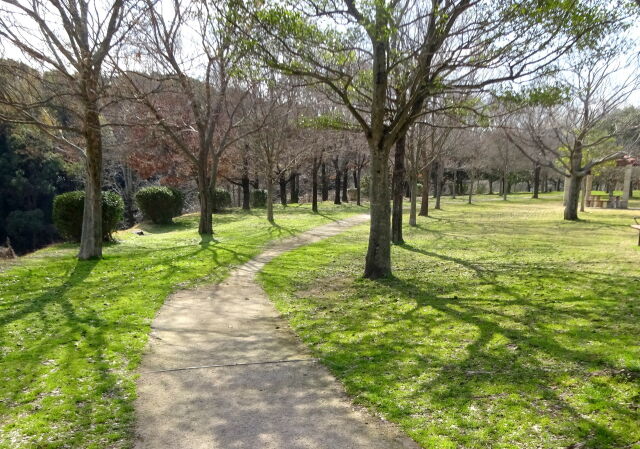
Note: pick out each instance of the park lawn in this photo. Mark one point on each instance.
(72, 333)
(503, 326)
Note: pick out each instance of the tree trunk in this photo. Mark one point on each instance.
(378, 260)
(398, 194)
(129, 195)
(356, 182)
(337, 183)
(490, 187)
(439, 182)
(314, 185)
(413, 185)
(573, 196)
(473, 179)
(345, 185)
(283, 189)
(246, 184)
(583, 192)
(91, 238)
(295, 198)
(325, 183)
(205, 227)
(213, 180)
(426, 186)
(505, 186)
(453, 184)
(270, 199)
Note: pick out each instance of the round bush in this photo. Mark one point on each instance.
(159, 203)
(259, 198)
(221, 200)
(68, 209)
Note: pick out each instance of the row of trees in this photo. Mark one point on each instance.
(204, 80)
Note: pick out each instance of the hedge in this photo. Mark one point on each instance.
(221, 200)
(68, 209)
(259, 198)
(159, 203)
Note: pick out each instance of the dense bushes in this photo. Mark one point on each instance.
(221, 200)
(160, 204)
(259, 198)
(69, 207)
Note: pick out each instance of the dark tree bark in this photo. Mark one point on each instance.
(314, 184)
(325, 182)
(356, 183)
(536, 180)
(293, 179)
(398, 191)
(345, 185)
(426, 186)
(270, 200)
(490, 187)
(439, 183)
(454, 184)
(283, 189)
(336, 166)
(378, 259)
(205, 226)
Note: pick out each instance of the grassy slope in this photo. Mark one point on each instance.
(72, 333)
(504, 326)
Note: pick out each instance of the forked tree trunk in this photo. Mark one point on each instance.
(91, 238)
(378, 260)
(398, 185)
(426, 186)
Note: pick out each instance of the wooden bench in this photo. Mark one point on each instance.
(637, 226)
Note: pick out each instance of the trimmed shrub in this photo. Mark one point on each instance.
(221, 200)
(259, 198)
(68, 209)
(159, 203)
(178, 201)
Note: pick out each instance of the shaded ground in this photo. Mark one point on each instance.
(504, 326)
(72, 333)
(224, 371)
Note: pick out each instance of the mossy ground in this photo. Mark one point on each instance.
(503, 325)
(72, 333)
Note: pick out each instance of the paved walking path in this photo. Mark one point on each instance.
(224, 371)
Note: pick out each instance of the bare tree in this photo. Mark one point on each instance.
(188, 52)
(571, 138)
(71, 43)
(383, 60)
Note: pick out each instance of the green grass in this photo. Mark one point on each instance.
(72, 333)
(503, 326)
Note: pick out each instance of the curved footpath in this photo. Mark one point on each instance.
(223, 370)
